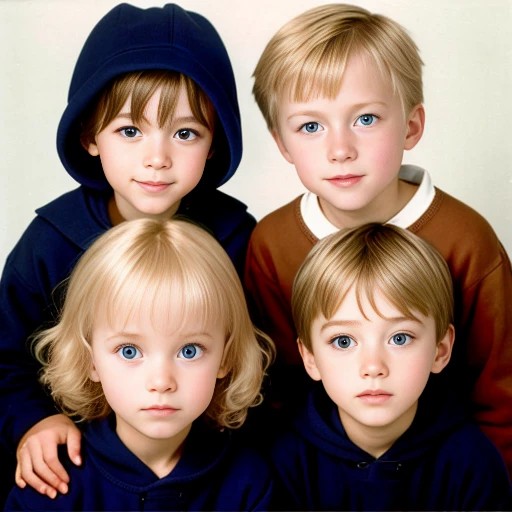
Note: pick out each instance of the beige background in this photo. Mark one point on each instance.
(467, 145)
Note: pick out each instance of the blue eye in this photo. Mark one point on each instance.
(310, 127)
(185, 135)
(129, 352)
(190, 351)
(130, 132)
(366, 120)
(400, 339)
(343, 342)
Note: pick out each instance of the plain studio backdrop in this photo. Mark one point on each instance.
(467, 144)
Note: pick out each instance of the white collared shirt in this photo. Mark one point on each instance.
(318, 224)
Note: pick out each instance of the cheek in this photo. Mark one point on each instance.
(201, 389)
(414, 374)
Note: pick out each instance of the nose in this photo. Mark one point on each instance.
(341, 145)
(161, 377)
(373, 363)
(158, 153)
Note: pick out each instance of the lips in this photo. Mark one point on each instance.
(345, 180)
(374, 396)
(153, 186)
(160, 410)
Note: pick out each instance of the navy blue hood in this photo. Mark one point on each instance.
(130, 39)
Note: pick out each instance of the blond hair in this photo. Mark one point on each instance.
(409, 272)
(141, 85)
(149, 263)
(306, 58)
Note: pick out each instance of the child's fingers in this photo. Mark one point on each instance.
(50, 469)
(30, 478)
(17, 478)
(73, 443)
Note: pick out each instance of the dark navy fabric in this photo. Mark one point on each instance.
(129, 39)
(442, 462)
(215, 472)
(126, 39)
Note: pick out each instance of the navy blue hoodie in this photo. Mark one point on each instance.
(126, 39)
(213, 473)
(442, 462)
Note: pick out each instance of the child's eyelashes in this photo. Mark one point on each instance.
(130, 132)
(311, 127)
(342, 342)
(400, 339)
(129, 352)
(186, 134)
(191, 351)
(366, 120)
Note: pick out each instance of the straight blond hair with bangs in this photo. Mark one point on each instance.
(408, 271)
(176, 268)
(306, 58)
(141, 85)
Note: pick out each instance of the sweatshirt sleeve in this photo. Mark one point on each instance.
(487, 326)
(36, 265)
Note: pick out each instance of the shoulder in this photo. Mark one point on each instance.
(473, 449)
(282, 236)
(247, 480)
(55, 238)
(463, 237)
(245, 460)
(272, 224)
(222, 214)
(29, 499)
(448, 217)
(470, 465)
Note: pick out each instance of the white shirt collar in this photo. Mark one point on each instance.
(318, 224)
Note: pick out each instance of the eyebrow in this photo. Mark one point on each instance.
(356, 106)
(180, 120)
(352, 323)
(135, 336)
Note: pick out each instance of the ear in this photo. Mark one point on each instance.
(223, 371)
(444, 350)
(309, 361)
(90, 147)
(415, 126)
(281, 146)
(93, 374)
(210, 153)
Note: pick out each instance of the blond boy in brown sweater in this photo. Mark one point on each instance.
(341, 91)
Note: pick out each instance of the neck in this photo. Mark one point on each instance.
(383, 208)
(159, 455)
(377, 440)
(119, 211)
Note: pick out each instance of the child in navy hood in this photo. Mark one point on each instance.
(151, 129)
(373, 308)
(156, 354)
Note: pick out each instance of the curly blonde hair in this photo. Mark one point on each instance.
(147, 262)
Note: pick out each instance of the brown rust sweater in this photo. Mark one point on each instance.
(482, 360)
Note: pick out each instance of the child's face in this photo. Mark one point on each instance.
(348, 150)
(158, 375)
(374, 368)
(151, 168)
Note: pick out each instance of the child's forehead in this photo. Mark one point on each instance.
(358, 306)
(165, 310)
(181, 320)
(360, 80)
